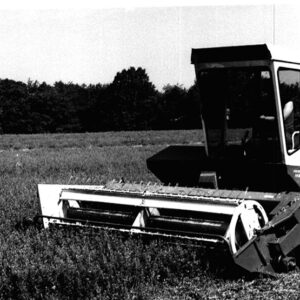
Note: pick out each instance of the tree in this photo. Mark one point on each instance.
(130, 102)
(13, 106)
(130, 94)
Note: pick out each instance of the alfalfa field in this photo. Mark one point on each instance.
(64, 263)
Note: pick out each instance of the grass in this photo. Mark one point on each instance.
(103, 139)
(80, 264)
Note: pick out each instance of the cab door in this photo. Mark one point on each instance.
(288, 101)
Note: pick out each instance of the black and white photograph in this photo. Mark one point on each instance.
(150, 150)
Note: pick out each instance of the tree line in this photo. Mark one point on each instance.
(130, 102)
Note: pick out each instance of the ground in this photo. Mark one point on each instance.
(83, 264)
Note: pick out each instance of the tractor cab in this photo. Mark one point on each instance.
(250, 114)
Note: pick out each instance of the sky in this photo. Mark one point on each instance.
(91, 44)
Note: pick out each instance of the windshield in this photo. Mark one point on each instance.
(238, 108)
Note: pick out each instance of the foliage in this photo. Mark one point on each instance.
(179, 108)
(130, 102)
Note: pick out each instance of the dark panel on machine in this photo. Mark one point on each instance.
(184, 165)
(235, 53)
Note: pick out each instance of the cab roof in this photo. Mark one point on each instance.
(244, 53)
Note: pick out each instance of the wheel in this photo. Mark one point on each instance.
(248, 217)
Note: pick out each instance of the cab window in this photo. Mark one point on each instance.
(239, 112)
(289, 86)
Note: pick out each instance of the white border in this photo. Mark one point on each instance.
(96, 4)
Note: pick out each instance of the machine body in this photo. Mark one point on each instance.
(238, 191)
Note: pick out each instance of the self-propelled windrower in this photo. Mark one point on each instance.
(240, 190)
